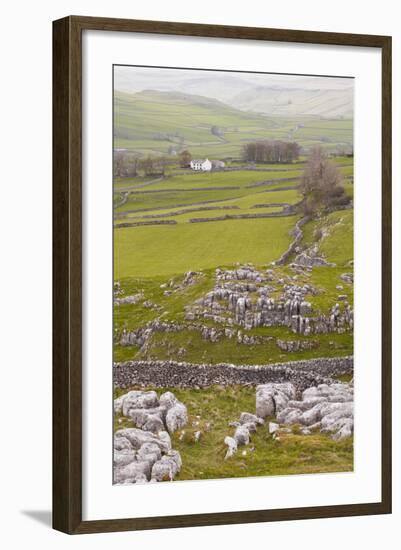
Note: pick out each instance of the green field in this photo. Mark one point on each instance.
(170, 250)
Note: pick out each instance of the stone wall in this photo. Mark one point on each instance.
(152, 222)
(283, 213)
(302, 374)
(298, 235)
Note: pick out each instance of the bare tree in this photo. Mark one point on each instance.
(154, 166)
(124, 164)
(185, 158)
(321, 184)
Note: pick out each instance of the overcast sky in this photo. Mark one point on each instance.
(134, 79)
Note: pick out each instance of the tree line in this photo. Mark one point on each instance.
(128, 165)
(271, 151)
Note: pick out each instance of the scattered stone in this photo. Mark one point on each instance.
(273, 427)
(242, 436)
(247, 417)
(347, 277)
(296, 345)
(232, 446)
(134, 299)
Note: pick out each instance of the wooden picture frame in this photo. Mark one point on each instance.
(67, 273)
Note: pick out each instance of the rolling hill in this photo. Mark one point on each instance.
(166, 122)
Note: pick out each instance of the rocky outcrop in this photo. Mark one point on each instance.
(296, 345)
(327, 407)
(144, 453)
(302, 374)
(310, 258)
(141, 456)
(243, 297)
(120, 299)
(145, 408)
(272, 398)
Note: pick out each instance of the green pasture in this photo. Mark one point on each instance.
(144, 251)
(241, 178)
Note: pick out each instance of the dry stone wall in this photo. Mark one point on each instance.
(302, 374)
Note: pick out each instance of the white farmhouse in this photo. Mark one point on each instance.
(201, 165)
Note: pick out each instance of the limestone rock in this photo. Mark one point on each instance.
(177, 417)
(165, 438)
(121, 443)
(149, 452)
(124, 457)
(138, 400)
(241, 436)
(168, 400)
(249, 417)
(273, 397)
(138, 437)
(273, 427)
(328, 407)
(167, 467)
(141, 416)
(232, 447)
(131, 471)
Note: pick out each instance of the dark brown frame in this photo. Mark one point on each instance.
(67, 275)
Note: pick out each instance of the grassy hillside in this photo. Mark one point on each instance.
(153, 122)
(295, 101)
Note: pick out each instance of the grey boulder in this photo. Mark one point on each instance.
(177, 417)
(273, 397)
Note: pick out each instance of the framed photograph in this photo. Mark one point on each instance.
(222, 275)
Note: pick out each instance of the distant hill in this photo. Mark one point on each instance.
(167, 122)
(271, 94)
(274, 100)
